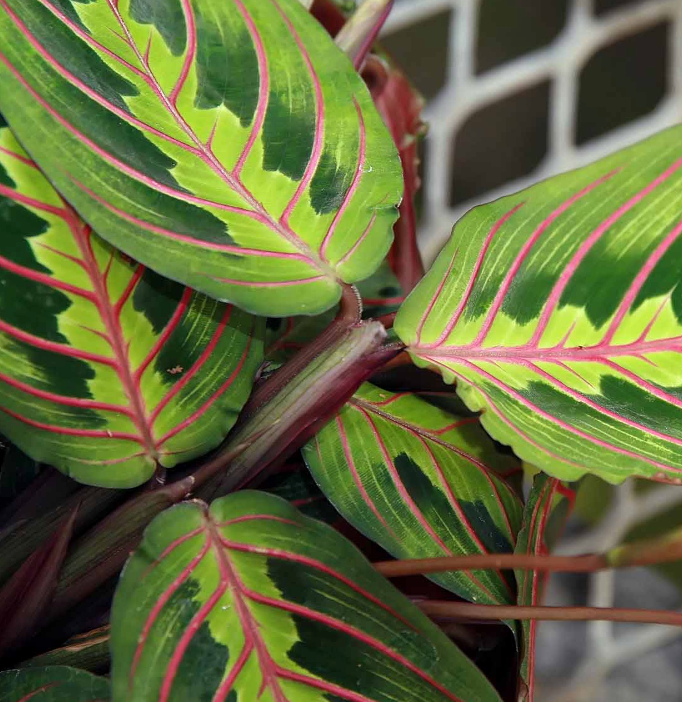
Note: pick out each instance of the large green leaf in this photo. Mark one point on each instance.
(52, 684)
(251, 600)
(558, 311)
(543, 518)
(421, 483)
(105, 367)
(227, 144)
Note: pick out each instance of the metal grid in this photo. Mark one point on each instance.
(606, 648)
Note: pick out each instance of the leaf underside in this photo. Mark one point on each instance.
(251, 600)
(544, 516)
(105, 367)
(420, 482)
(52, 684)
(558, 312)
(228, 144)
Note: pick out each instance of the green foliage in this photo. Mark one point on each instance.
(558, 312)
(105, 367)
(227, 145)
(420, 482)
(251, 599)
(232, 149)
(52, 684)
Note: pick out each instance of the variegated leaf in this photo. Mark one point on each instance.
(558, 311)
(105, 367)
(52, 684)
(227, 144)
(250, 600)
(543, 517)
(419, 481)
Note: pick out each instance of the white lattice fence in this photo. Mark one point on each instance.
(561, 61)
(605, 648)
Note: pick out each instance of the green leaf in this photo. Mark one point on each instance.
(227, 144)
(421, 483)
(252, 600)
(558, 311)
(105, 367)
(52, 684)
(543, 519)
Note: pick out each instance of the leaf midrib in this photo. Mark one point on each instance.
(82, 234)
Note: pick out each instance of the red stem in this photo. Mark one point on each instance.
(465, 610)
(636, 554)
(350, 313)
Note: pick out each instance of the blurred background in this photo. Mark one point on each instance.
(518, 90)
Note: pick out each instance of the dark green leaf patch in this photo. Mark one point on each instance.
(227, 70)
(167, 17)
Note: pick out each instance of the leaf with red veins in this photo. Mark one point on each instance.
(91, 344)
(557, 312)
(422, 483)
(247, 599)
(227, 144)
(52, 684)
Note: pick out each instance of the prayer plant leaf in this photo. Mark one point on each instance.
(250, 600)
(52, 684)
(558, 312)
(227, 144)
(544, 516)
(105, 367)
(421, 483)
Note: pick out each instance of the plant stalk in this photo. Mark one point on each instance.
(290, 417)
(468, 611)
(350, 314)
(360, 32)
(101, 552)
(639, 553)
